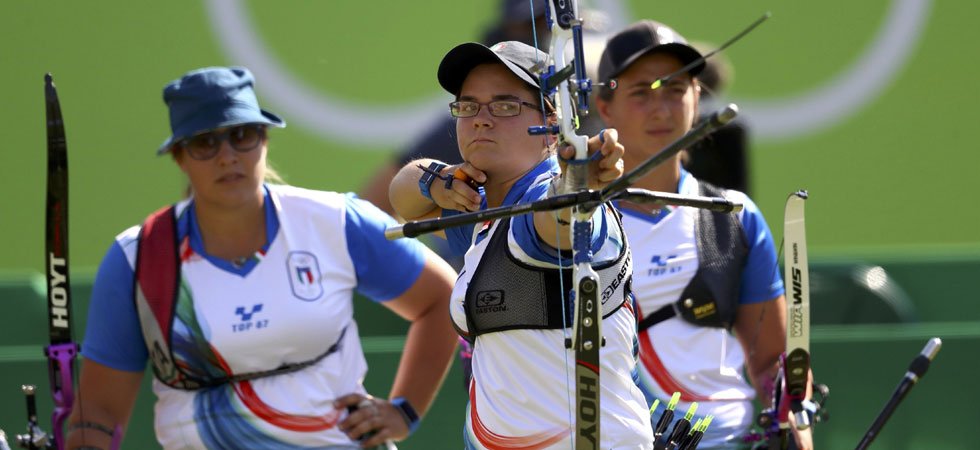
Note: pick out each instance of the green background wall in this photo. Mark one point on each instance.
(859, 348)
(886, 180)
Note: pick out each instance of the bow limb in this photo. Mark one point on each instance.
(795, 364)
(63, 349)
(793, 382)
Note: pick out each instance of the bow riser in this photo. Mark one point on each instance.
(587, 324)
(587, 340)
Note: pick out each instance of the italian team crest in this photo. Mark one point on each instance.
(304, 275)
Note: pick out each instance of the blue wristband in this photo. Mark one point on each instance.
(428, 176)
(408, 413)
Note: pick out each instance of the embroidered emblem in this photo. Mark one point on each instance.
(303, 271)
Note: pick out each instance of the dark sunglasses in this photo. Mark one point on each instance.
(243, 138)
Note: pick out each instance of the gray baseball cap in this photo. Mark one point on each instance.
(518, 57)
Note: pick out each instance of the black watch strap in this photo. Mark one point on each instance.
(408, 413)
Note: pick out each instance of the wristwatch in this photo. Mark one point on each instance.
(428, 176)
(408, 413)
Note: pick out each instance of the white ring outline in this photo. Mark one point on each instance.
(351, 123)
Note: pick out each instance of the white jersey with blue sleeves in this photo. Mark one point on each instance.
(287, 304)
(522, 391)
(704, 364)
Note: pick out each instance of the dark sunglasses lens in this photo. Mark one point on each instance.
(201, 147)
(245, 138)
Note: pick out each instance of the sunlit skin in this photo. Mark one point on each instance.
(376, 190)
(498, 151)
(650, 119)
(229, 180)
(228, 199)
(499, 146)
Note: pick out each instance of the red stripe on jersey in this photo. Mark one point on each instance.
(251, 400)
(494, 441)
(651, 361)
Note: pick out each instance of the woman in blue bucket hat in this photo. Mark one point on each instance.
(240, 296)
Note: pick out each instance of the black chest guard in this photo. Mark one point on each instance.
(711, 297)
(507, 294)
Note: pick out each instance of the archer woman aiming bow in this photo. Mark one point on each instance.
(709, 294)
(241, 295)
(510, 298)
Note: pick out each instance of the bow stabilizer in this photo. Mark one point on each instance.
(917, 369)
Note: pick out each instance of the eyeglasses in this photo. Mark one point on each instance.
(204, 146)
(497, 108)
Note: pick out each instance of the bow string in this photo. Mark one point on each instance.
(566, 81)
(586, 340)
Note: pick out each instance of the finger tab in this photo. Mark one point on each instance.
(464, 177)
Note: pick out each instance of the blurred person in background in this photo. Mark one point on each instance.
(721, 158)
(241, 298)
(709, 293)
(439, 141)
(520, 389)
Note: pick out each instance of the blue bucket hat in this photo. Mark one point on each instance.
(210, 98)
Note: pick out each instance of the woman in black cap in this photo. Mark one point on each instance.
(241, 298)
(719, 264)
(510, 299)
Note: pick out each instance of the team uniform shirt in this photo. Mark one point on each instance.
(523, 390)
(288, 304)
(703, 364)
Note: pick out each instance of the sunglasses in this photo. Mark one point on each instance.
(243, 138)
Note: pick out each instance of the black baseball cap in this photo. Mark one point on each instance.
(518, 57)
(642, 38)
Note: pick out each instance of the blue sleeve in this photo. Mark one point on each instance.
(761, 279)
(112, 334)
(385, 269)
(527, 236)
(458, 237)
